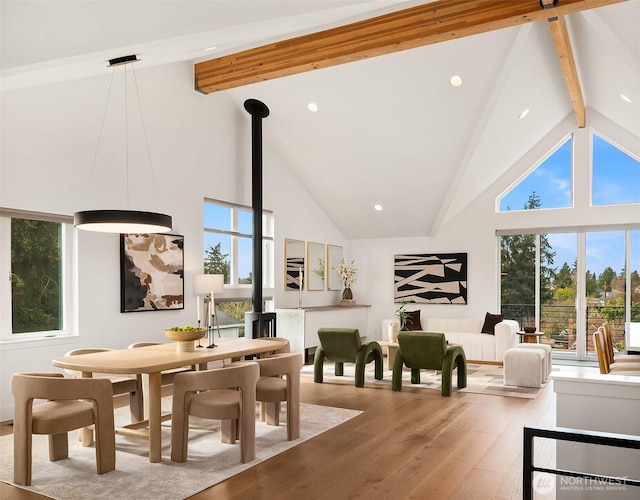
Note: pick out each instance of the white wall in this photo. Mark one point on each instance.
(200, 147)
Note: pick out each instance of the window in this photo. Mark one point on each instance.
(542, 275)
(228, 250)
(37, 255)
(550, 181)
(228, 246)
(615, 175)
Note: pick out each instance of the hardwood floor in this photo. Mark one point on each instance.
(409, 444)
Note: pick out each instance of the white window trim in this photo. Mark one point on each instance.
(69, 273)
(267, 236)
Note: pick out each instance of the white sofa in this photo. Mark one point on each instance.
(477, 346)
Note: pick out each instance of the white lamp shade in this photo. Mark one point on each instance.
(208, 283)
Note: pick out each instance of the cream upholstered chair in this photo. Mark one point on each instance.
(63, 412)
(227, 394)
(280, 381)
(122, 384)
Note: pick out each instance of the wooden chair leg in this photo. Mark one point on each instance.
(58, 446)
(136, 406)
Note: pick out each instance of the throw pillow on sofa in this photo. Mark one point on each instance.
(490, 322)
(413, 321)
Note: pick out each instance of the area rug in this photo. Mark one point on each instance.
(481, 379)
(209, 461)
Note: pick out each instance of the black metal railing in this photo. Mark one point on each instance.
(559, 324)
(576, 436)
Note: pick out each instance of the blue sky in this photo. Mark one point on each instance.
(616, 180)
(219, 217)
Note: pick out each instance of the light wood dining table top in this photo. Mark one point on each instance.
(160, 357)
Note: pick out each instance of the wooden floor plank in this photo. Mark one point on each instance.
(408, 444)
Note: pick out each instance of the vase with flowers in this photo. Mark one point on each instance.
(347, 273)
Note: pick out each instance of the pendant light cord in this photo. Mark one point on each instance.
(104, 115)
(126, 129)
(144, 129)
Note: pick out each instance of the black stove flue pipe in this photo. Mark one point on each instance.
(260, 324)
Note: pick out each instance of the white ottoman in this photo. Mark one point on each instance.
(524, 367)
(547, 358)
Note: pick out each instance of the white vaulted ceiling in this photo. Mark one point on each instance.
(390, 129)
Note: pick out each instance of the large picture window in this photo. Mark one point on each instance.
(228, 250)
(228, 247)
(568, 284)
(36, 254)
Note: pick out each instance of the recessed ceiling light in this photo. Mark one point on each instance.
(313, 107)
(207, 49)
(523, 114)
(625, 98)
(378, 208)
(455, 81)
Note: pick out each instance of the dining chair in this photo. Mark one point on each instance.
(121, 384)
(604, 365)
(280, 381)
(227, 394)
(72, 404)
(608, 343)
(428, 350)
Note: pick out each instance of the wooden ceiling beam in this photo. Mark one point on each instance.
(418, 26)
(567, 63)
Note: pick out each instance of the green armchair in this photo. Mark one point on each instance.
(342, 345)
(427, 350)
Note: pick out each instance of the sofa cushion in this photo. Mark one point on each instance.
(452, 325)
(490, 322)
(413, 320)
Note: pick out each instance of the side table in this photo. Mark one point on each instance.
(392, 348)
(530, 338)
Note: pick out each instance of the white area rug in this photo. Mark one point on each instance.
(481, 379)
(209, 461)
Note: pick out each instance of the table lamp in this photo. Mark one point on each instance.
(208, 284)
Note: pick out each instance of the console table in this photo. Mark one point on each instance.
(300, 326)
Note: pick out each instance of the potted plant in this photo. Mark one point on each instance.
(402, 314)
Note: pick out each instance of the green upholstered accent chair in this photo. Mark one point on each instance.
(427, 350)
(342, 345)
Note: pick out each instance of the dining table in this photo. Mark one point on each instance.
(150, 361)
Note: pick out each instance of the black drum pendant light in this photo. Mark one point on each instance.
(123, 221)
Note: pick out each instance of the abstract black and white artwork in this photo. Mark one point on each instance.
(430, 278)
(151, 272)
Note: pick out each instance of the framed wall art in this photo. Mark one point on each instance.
(293, 264)
(431, 278)
(151, 272)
